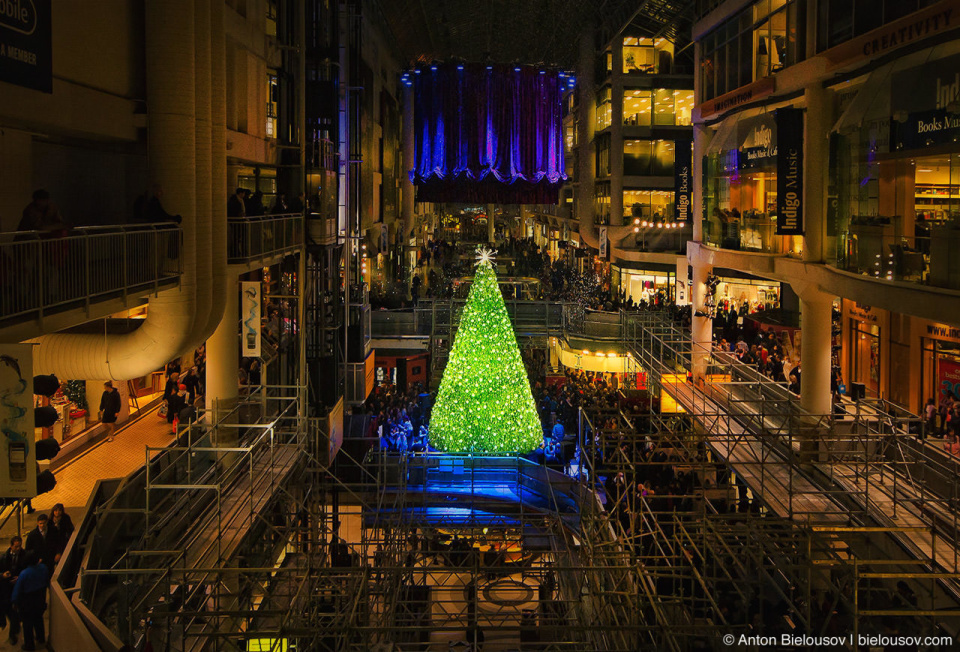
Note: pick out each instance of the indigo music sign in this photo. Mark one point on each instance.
(789, 171)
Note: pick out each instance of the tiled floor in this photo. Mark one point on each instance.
(76, 480)
(108, 459)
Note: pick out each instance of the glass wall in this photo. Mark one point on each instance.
(647, 55)
(660, 107)
(842, 20)
(762, 39)
(652, 205)
(648, 157)
(604, 109)
(602, 143)
(603, 202)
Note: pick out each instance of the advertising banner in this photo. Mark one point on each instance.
(948, 379)
(789, 171)
(925, 103)
(683, 180)
(250, 300)
(603, 243)
(26, 53)
(18, 466)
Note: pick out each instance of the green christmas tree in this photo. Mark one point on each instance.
(485, 404)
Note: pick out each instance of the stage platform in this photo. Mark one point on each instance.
(477, 489)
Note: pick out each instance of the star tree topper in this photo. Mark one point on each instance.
(486, 256)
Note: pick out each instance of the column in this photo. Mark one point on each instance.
(409, 154)
(816, 317)
(701, 325)
(491, 234)
(816, 157)
(586, 170)
(223, 355)
(617, 216)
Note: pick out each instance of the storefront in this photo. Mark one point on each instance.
(939, 361)
(895, 167)
(865, 357)
(757, 294)
(742, 184)
(401, 367)
(645, 283)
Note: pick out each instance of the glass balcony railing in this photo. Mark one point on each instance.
(876, 251)
(40, 274)
(749, 234)
(258, 238)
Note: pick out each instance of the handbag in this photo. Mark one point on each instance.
(162, 412)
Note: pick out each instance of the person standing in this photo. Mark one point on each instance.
(109, 408)
(63, 525)
(29, 598)
(236, 206)
(43, 541)
(12, 563)
(174, 404)
(192, 381)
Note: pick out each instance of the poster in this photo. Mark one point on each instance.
(18, 467)
(250, 319)
(603, 243)
(26, 52)
(948, 379)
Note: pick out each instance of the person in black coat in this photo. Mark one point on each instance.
(44, 542)
(12, 562)
(110, 406)
(63, 524)
(174, 405)
(173, 384)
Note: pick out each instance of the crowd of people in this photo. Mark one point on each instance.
(25, 571)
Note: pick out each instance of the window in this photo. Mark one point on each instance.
(670, 107)
(841, 20)
(604, 109)
(603, 155)
(273, 95)
(761, 40)
(647, 55)
(648, 157)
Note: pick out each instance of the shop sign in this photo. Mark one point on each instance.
(250, 319)
(862, 312)
(926, 104)
(26, 53)
(603, 243)
(757, 141)
(18, 468)
(683, 180)
(790, 172)
(743, 95)
(948, 379)
(385, 238)
(942, 332)
(918, 26)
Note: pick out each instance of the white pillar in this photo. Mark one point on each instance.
(223, 354)
(204, 167)
(701, 328)
(816, 316)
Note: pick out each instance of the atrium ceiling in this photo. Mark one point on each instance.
(524, 31)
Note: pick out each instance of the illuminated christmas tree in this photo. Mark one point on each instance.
(485, 404)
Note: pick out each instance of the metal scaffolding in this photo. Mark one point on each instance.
(702, 511)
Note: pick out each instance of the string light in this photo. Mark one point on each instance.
(485, 403)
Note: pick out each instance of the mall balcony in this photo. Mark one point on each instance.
(263, 241)
(47, 284)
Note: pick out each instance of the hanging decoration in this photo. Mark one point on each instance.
(485, 404)
(488, 134)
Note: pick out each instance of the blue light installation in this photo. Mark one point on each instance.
(488, 133)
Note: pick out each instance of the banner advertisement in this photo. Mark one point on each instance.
(789, 171)
(384, 238)
(603, 243)
(18, 467)
(683, 180)
(925, 105)
(250, 300)
(26, 52)
(948, 379)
